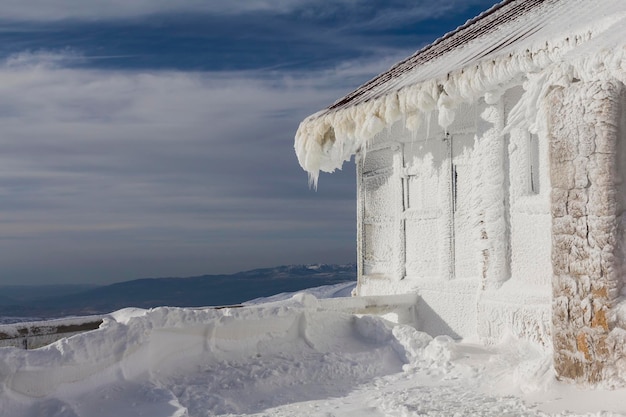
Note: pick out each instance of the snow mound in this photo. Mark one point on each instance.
(282, 358)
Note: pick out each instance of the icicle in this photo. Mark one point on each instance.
(392, 109)
(413, 122)
(446, 114)
(373, 126)
(419, 93)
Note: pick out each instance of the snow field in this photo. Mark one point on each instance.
(282, 358)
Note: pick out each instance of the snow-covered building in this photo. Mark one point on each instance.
(491, 169)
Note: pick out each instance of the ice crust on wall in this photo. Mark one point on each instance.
(472, 302)
(587, 173)
(553, 55)
(530, 218)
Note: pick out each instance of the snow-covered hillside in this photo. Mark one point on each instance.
(55, 301)
(287, 356)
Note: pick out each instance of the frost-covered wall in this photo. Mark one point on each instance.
(586, 127)
(406, 195)
(434, 218)
(517, 300)
(529, 201)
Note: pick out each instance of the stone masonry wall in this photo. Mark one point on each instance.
(584, 130)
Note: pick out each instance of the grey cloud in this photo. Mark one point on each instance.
(43, 10)
(428, 10)
(116, 174)
(364, 10)
(129, 174)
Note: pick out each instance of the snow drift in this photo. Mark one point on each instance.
(281, 358)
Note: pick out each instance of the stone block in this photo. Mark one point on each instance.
(565, 226)
(602, 202)
(563, 175)
(581, 179)
(563, 148)
(602, 170)
(606, 140)
(559, 202)
(577, 202)
(560, 262)
(565, 285)
(581, 230)
(589, 265)
(602, 232)
(586, 140)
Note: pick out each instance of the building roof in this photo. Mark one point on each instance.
(481, 26)
(512, 39)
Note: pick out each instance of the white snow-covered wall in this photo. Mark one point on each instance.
(440, 214)
(520, 305)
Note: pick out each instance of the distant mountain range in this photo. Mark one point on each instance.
(206, 290)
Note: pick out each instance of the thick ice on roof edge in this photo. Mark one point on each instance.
(325, 140)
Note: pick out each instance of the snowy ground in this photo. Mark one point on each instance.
(282, 357)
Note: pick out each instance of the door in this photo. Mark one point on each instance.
(439, 193)
(426, 208)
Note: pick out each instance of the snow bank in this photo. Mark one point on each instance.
(151, 354)
(284, 358)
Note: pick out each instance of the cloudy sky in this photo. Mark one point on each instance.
(151, 138)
